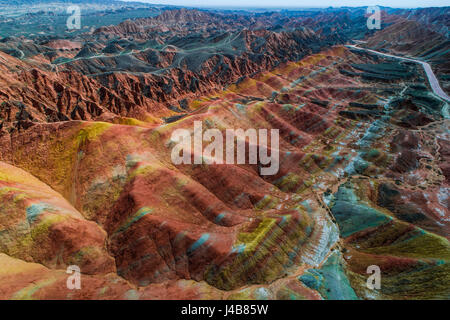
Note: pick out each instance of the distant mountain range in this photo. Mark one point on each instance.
(88, 132)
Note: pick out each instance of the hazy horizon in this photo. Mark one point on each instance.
(298, 3)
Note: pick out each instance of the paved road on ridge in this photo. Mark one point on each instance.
(434, 83)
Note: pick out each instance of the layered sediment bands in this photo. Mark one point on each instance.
(22, 280)
(358, 183)
(405, 252)
(39, 225)
(32, 95)
(139, 71)
(163, 224)
(150, 68)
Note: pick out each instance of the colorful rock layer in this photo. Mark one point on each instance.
(362, 181)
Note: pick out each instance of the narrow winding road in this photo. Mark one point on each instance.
(434, 83)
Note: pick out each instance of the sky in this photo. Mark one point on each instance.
(305, 3)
